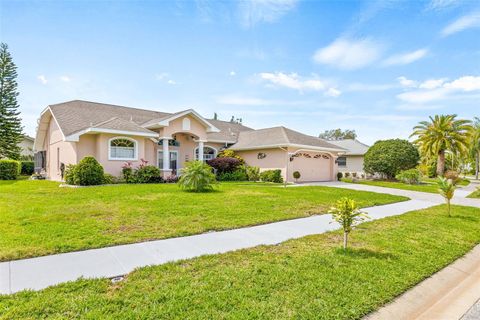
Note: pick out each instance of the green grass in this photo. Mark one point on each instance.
(427, 185)
(307, 278)
(39, 218)
(475, 194)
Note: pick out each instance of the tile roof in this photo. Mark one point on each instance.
(279, 136)
(353, 146)
(74, 116)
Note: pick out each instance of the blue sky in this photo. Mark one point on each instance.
(377, 67)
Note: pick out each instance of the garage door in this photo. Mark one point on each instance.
(312, 166)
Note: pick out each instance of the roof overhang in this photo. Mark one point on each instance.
(291, 145)
(92, 130)
(166, 121)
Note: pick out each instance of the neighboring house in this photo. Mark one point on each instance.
(26, 146)
(352, 160)
(69, 131)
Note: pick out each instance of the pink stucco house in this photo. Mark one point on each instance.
(113, 134)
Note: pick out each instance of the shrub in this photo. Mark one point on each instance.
(88, 172)
(224, 164)
(27, 167)
(272, 176)
(347, 174)
(127, 172)
(108, 179)
(171, 179)
(70, 172)
(296, 175)
(197, 177)
(452, 175)
(339, 176)
(389, 157)
(354, 174)
(253, 173)
(147, 174)
(227, 153)
(237, 175)
(9, 169)
(411, 176)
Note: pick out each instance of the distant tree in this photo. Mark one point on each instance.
(338, 134)
(236, 120)
(443, 133)
(10, 122)
(215, 116)
(389, 157)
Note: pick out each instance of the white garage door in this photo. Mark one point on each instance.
(312, 166)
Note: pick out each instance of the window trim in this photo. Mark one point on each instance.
(215, 152)
(135, 149)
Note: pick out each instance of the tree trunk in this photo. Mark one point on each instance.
(477, 164)
(441, 163)
(448, 206)
(345, 240)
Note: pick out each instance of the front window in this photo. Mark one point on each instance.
(209, 153)
(342, 161)
(123, 149)
(173, 161)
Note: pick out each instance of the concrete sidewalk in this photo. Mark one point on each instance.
(41, 272)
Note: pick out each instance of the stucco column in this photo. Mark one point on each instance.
(200, 150)
(166, 155)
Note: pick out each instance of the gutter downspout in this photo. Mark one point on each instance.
(286, 166)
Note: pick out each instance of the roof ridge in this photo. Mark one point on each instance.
(103, 122)
(111, 105)
(285, 135)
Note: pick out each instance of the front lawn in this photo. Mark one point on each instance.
(427, 185)
(475, 194)
(39, 218)
(307, 278)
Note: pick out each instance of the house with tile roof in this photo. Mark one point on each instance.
(352, 160)
(69, 131)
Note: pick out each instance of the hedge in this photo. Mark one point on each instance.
(27, 168)
(9, 169)
(272, 176)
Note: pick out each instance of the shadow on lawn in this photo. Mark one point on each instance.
(363, 253)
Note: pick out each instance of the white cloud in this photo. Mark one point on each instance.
(405, 58)
(232, 73)
(439, 89)
(442, 4)
(467, 83)
(349, 54)
(332, 92)
(42, 79)
(466, 22)
(294, 81)
(171, 82)
(65, 78)
(252, 12)
(404, 82)
(432, 83)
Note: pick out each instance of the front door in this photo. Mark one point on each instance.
(173, 160)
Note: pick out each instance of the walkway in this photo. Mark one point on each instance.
(41, 272)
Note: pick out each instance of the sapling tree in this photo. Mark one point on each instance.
(347, 213)
(446, 187)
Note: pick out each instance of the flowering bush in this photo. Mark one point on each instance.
(224, 164)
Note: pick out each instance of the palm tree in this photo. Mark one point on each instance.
(446, 187)
(442, 133)
(475, 145)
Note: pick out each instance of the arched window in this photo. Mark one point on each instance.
(209, 153)
(122, 148)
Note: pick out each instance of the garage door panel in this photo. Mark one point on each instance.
(312, 167)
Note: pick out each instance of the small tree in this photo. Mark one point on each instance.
(347, 213)
(296, 175)
(446, 187)
(197, 177)
(389, 157)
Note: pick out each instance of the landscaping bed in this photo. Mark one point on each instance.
(308, 278)
(39, 218)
